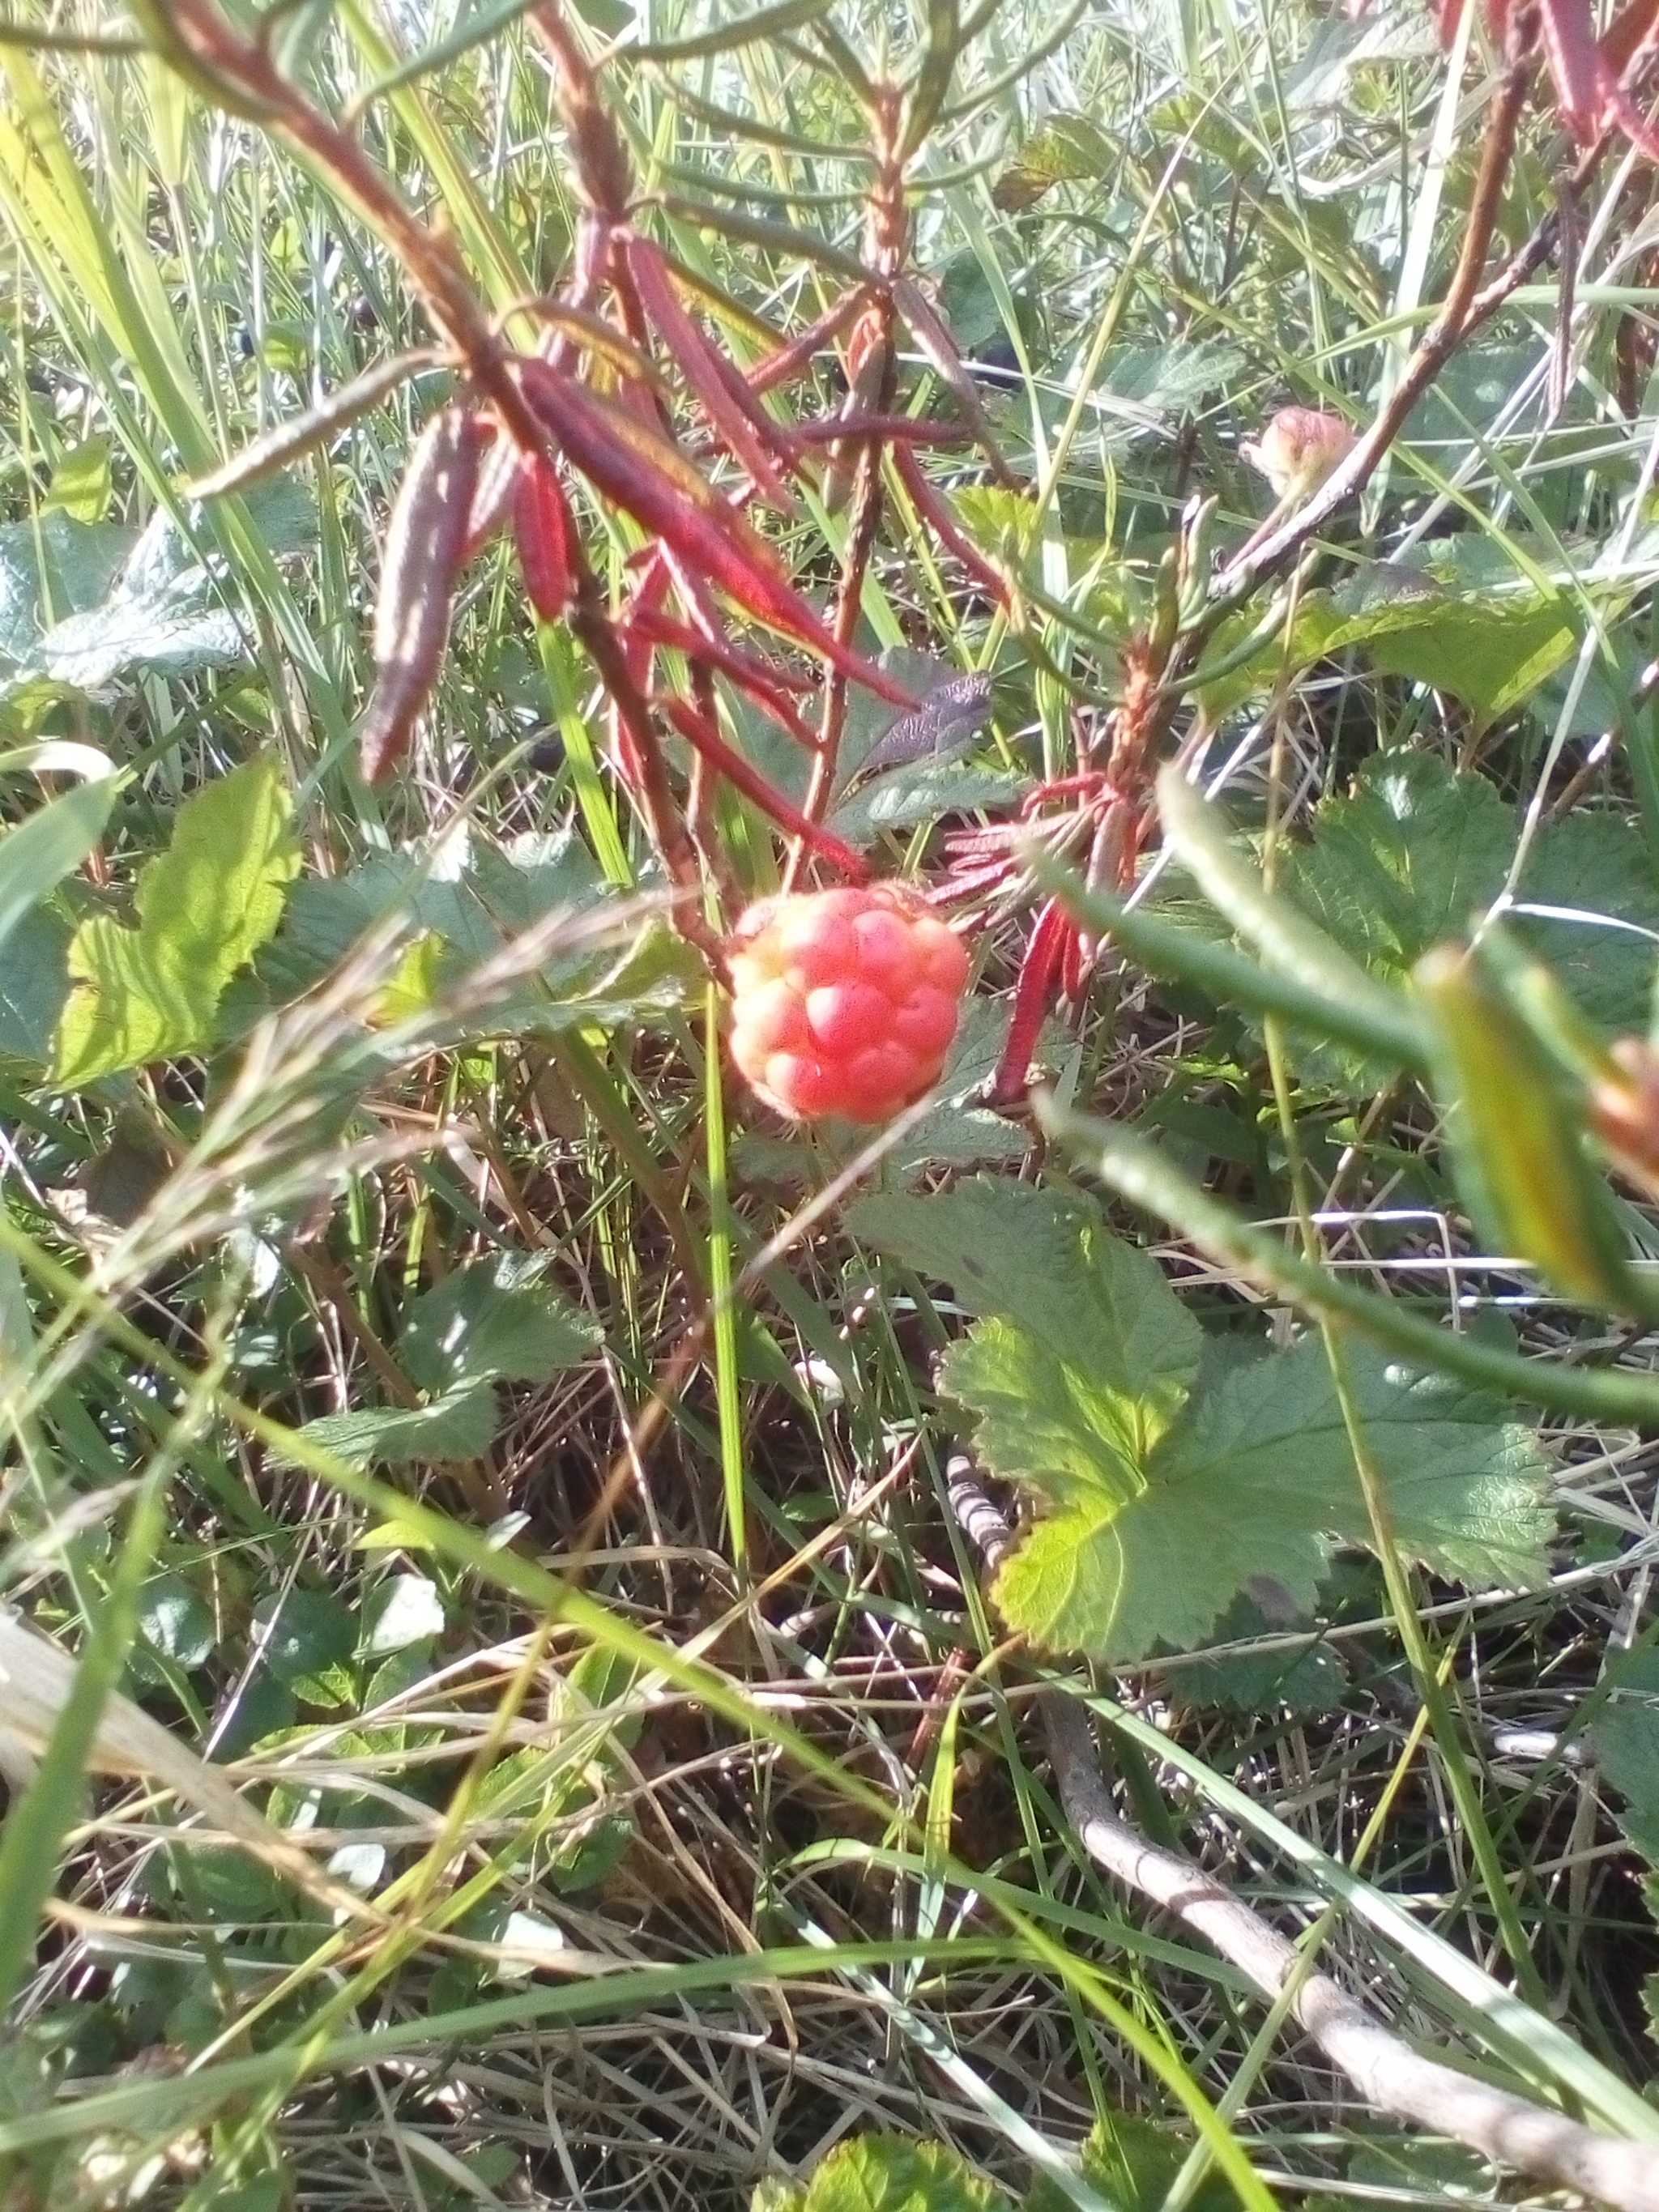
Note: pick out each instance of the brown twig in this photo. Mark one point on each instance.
(1461, 312)
(1381, 2065)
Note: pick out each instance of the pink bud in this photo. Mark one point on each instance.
(1298, 449)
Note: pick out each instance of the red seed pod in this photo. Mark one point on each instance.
(639, 470)
(493, 495)
(1034, 993)
(545, 537)
(737, 417)
(425, 545)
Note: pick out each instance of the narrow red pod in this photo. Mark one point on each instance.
(740, 423)
(793, 356)
(1033, 995)
(545, 538)
(702, 735)
(750, 676)
(640, 471)
(426, 543)
(493, 495)
(946, 527)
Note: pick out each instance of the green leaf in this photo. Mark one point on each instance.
(1412, 855)
(1163, 1501)
(1597, 871)
(82, 482)
(922, 791)
(1067, 150)
(33, 986)
(886, 2173)
(52, 568)
(1305, 1679)
(175, 1620)
(39, 852)
(305, 1642)
(404, 1609)
(460, 1427)
(1044, 1267)
(1625, 1734)
(1251, 1492)
(204, 907)
(1132, 2162)
(496, 1320)
(1409, 857)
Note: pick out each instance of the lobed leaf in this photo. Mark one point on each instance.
(205, 906)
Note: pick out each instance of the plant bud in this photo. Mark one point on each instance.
(1624, 1110)
(1298, 449)
(1515, 1132)
(426, 543)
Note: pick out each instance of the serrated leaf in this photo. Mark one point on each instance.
(1414, 854)
(1597, 874)
(458, 1427)
(205, 908)
(1132, 2163)
(1045, 1265)
(494, 1320)
(887, 2173)
(1251, 1490)
(1066, 150)
(1410, 857)
(922, 792)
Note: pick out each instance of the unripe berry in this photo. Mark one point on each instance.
(844, 1002)
(1297, 449)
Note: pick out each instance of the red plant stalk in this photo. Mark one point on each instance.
(703, 735)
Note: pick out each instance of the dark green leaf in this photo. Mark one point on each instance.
(494, 1320)
(176, 1621)
(306, 1639)
(922, 792)
(1414, 854)
(453, 1428)
(1626, 1734)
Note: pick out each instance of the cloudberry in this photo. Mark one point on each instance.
(845, 1001)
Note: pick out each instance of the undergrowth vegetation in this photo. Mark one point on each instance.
(572, 1638)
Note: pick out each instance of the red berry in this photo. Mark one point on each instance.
(844, 1002)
